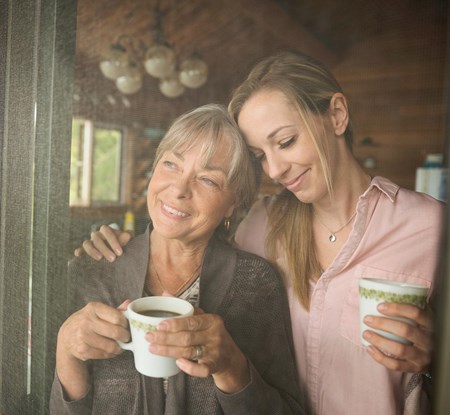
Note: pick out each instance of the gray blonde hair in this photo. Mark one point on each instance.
(208, 125)
(309, 86)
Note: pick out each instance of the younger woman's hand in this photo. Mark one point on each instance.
(104, 243)
(415, 357)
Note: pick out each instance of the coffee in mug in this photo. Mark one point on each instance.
(159, 313)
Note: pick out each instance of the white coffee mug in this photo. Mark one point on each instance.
(144, 315)
(373, 291)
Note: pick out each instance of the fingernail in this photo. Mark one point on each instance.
(150, 337)
(163, 326)
(382, 307)
(367, 334)
(97, 257)
(368, 319)
(111, 258)
(118, 251)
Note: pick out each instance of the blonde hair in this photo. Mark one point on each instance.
(209, 125)
(308, 86)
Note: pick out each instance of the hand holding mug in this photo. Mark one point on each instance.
(93, 331)
(396, 325)
(413, 357)
(202, 346)
(88, 334)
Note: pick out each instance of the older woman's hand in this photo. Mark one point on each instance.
(203, 347)
(104, 243)
(89, 333)
(397, 356)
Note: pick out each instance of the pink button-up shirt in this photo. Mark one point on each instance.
(395, 235)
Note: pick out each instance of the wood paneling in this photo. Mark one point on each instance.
(395, 83)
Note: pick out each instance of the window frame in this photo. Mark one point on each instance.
(87, 180)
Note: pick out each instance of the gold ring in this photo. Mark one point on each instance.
(198, 352)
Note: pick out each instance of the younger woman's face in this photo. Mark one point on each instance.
(277, 136)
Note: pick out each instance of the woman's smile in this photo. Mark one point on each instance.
(174, 212)
(295, 184)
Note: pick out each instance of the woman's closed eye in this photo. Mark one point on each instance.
(286, 143)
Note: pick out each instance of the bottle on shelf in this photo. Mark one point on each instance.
(431, 178)
(129, 222)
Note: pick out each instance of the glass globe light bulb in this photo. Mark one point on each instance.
(130, 81)
(171, 86)
(193, 72)
(159, 61)
(113, 67)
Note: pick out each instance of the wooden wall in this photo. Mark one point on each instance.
(395, 83)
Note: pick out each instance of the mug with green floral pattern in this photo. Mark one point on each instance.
(374, 291)
(144, 315)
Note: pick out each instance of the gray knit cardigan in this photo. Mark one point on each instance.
(240, 287)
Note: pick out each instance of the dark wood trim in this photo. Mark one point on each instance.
(16, 195)
(36, 84)
(56, 30)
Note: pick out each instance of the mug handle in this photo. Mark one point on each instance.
(122, 345)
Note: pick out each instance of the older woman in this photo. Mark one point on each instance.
(202, 173)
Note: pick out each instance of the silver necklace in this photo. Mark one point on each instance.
(332, 237)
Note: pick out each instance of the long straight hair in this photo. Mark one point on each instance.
(309, 86)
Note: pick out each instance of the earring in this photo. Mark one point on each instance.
(226, 224)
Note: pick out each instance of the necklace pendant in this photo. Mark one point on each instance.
(332, 237)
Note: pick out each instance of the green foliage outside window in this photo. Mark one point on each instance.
(106, 162)
(96, 164)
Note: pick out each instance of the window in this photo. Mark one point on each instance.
(96, 164)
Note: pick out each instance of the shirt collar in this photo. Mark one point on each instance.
(385, 185)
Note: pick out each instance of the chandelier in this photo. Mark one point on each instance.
(127, 61)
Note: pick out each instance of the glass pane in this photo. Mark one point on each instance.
(113, 179)
(106, 165)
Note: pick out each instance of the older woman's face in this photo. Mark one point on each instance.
(186, 200)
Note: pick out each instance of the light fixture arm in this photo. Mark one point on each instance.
(128, 44)
(157, 28)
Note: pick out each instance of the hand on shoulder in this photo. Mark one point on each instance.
(105, 243)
